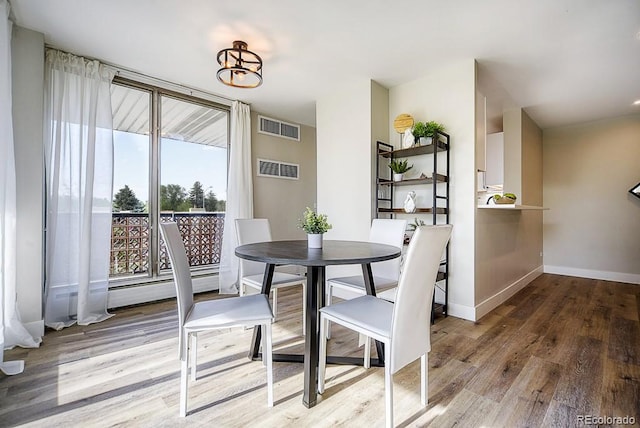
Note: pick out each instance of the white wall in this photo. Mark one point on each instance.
(27, 58)
(343, 132)
(593, 226)
(345, 147)
(512, 122)
(495, 159)
(447, 95)
(280, 200)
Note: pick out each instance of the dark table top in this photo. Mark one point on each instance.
(331, 253)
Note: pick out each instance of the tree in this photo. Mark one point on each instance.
(173, 198)
(211, 202)
(125, 200)
(222, 206)
(196, 195)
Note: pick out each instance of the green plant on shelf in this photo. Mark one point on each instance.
(419, 130)
(432, 128)
(400, 166)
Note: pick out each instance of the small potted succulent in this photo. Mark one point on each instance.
(399, 167)
(315, 225)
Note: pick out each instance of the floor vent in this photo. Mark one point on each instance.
(278, 128)
(277, 169)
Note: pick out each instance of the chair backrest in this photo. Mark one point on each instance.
(390, 232)
(250, 230)
(181, 274)
(411, 324)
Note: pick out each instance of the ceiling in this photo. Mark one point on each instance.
(563, 61)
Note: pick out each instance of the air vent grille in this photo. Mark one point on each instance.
(278, 128)
(277, 169)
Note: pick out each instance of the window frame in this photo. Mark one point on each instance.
(154, 274)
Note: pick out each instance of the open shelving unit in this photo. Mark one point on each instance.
(438, 182)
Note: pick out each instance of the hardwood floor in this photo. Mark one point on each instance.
(560, 348)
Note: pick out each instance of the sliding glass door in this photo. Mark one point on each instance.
(170, 165)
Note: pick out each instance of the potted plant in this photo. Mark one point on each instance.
(315, 225)
(399, 167)
(419, 132)
(431, 130)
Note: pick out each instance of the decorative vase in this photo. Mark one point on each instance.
(397, 177)
(410, 202)
(408, 139)
(314, 240)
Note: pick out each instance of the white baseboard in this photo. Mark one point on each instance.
(156, 291)
(502, 296)
(461, 311)
(631, 278)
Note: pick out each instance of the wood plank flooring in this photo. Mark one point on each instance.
(560, 348)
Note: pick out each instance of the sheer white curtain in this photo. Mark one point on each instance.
(239, 193)
(79, 176)
(12, 332)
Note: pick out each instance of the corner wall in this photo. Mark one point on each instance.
(27, 56)
(509, 243)
(283, 201)
(447, 95)
(593, 226)
(348, 121)
(343, 123)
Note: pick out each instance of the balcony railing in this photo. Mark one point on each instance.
(130, 241)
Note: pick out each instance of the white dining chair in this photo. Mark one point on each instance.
(254, 230)
(211, 315)
(403, 327)
(385, 274)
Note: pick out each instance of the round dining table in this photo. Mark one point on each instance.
(296, 252)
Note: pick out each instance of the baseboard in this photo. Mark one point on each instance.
(461, 311)
(137, 294)
(631, 278)
(502, 296)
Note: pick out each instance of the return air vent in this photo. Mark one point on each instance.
(277, 169)
(278, 128)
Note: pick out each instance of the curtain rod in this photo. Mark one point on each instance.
(155, 80)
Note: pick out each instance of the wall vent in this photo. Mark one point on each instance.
(277, 169)
(278, 128)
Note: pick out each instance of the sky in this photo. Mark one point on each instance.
(181, 163)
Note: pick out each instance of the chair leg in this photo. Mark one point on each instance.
(388, 392)
(275, 301)
(367, 352)
(322, 363)
(267, 354)
(194, 356)
(184, 379)
(264, 344)
(304, 309)
(424, 379)
(329, 301)
(242, 289)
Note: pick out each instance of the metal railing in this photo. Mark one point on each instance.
(131, 240)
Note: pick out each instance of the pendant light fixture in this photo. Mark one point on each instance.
(240, 67)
